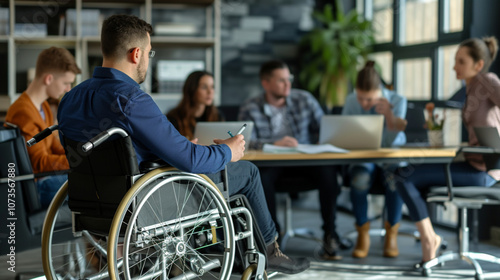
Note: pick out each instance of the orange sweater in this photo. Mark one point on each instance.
(48, 155)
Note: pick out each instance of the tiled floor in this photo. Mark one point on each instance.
(374, 266)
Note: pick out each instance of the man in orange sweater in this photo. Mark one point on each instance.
(56, 70)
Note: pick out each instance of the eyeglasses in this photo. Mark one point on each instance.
(151, 53)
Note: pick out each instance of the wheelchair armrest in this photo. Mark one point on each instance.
(146, 166)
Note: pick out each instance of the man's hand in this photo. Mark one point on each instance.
(393, 123)
(287, 141)
(236, 144)
(383, 107)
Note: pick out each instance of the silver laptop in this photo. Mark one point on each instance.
(352, 132)
(488, 136)
(206, 132)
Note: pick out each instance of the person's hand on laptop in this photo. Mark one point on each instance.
(287, 141)
(236, 144)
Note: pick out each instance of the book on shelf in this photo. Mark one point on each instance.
(304, 148)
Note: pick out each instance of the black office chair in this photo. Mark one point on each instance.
(17, 185)
(469, 197)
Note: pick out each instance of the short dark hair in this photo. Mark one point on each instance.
(368, 79)
(266, 70)
(120, 33)
(56, 60)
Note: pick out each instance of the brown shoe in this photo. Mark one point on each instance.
(363, 242)
(277, 261)
(391, 240)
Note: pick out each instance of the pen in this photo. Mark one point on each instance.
(241, 129)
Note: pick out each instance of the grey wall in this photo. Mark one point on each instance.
(256, 31)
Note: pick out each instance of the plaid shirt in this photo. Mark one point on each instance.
(303, 113)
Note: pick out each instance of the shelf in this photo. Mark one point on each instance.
(167, 41)
(49, 40)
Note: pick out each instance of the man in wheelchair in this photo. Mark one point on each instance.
(113, 98)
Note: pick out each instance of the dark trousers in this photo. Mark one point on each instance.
(324, 178)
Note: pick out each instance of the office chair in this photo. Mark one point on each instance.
(469, 197)
(17, 183)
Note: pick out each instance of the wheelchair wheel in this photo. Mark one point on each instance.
(172, 225)
(63, 255)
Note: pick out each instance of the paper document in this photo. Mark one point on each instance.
(303, 148)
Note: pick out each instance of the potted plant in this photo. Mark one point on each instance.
(336, 48)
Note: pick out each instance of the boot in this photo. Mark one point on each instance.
(363, 242)
(391, 240)
(277, 261)
(330, 247)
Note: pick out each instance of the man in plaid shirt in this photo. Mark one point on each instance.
(287, 117)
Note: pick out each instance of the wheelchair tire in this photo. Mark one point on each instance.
(63, 255)
(172, 224)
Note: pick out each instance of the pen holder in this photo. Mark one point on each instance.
(435, 138)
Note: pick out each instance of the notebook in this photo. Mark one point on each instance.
(206, 132)
(352, 132)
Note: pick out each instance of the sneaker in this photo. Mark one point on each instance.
(330, 248)
(277, 261)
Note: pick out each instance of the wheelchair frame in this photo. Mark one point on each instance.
(132, 240)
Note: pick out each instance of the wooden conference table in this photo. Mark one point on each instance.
(411, 155)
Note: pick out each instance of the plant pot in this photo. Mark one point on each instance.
(435, 138)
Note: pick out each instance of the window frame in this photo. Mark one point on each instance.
(428, 49)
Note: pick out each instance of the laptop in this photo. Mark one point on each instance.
(488, 136)
(206, 132)
(352, 132)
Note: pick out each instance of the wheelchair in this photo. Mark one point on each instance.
(142, 222)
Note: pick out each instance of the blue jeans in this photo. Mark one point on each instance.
(413, 182)
(362, 178)
(244, 178)
(48, 187)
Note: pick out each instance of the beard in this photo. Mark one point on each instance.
(141, 72)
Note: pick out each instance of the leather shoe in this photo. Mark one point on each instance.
(277, 261)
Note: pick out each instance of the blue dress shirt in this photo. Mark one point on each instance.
(399, 105)
(112, 99)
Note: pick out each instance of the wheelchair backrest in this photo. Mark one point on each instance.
(100, 178)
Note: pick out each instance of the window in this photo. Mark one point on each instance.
(448, 83)
(382, 18)
(416, 41)
(414, 78)
(418, 21)
(384, 61)
(453, 19)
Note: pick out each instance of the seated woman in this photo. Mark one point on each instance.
(472, 61)
(371, 98)
(197, 104)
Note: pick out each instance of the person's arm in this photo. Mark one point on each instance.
(493, 90)
(41, 155)
(153, 134)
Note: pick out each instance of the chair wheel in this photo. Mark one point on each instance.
(249, 273)
(426, 272)
(478, 277)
